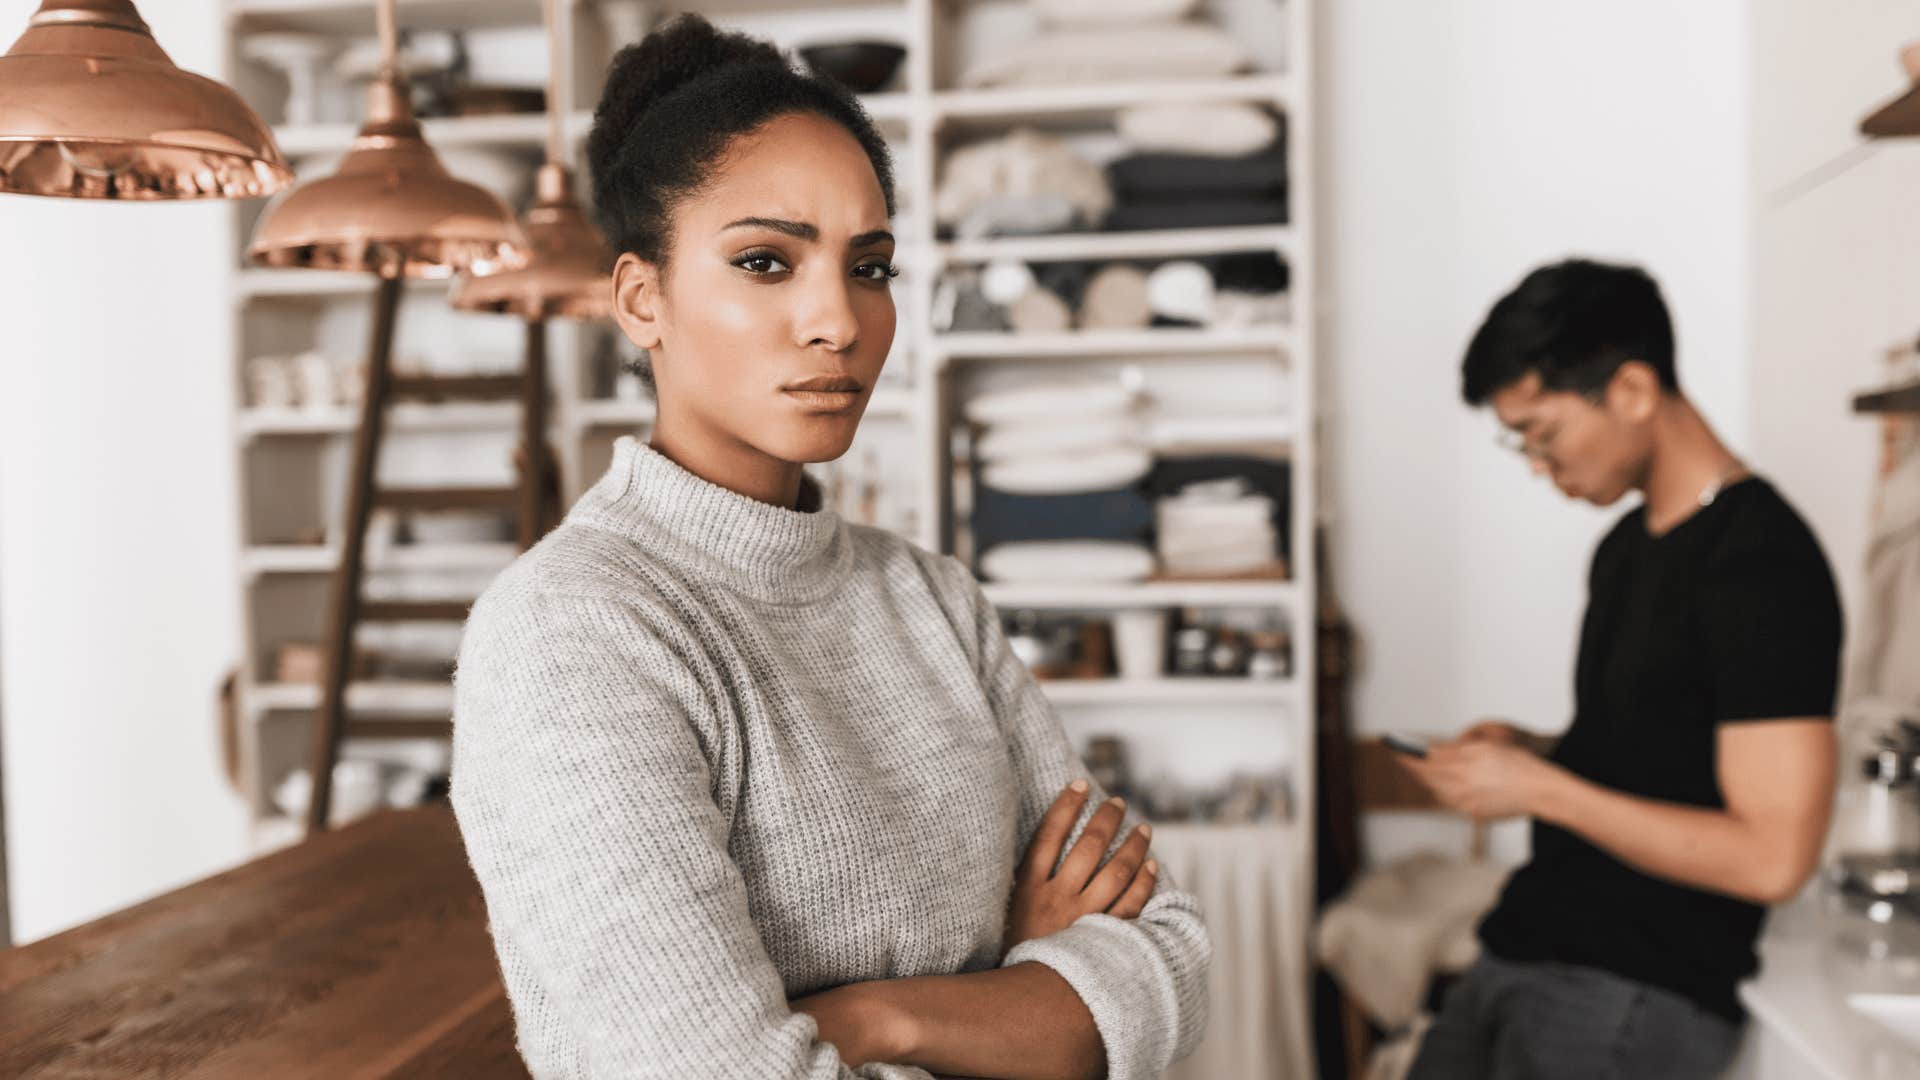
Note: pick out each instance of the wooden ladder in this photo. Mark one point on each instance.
(534, 499)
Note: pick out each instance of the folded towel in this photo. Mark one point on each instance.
(1116, 299)
(1248, 271)
(1050, 402)
(1209, 214)
(1143, 177)
(1109, 12)
(1214, 130)
(1054, 561)
(1119, 514)
(1032, 439)
(1062, 474)
(1266, 476)
(1133, 52)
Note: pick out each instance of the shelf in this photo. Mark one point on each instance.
(524, 130)
(1100, 343)
(254, 283)
(1194, 690)
(321, 559)
(1143, 244)
(1904, 398)
(430, 698)
(344, 419)
(1145, 594)
(355, 17)
(1043, 104)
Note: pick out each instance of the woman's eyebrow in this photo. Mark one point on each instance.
(800, 230)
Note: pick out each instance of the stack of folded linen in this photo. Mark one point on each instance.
(1022, 182)
(1057, 474)
(1090, 41)
(1195, 166)
(1221, 515)
(1215, 528)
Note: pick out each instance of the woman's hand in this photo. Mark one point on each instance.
(1045, 901)
(861, 1021)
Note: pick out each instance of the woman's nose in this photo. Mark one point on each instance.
(826, 316)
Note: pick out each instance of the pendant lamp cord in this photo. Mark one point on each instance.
(559, 100)
(389, 41)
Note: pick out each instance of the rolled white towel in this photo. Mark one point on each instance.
(1181, 289)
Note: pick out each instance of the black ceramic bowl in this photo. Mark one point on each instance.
(861, 66)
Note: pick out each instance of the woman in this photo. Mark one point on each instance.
(745, 785)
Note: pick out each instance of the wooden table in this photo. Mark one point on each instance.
(360, 953)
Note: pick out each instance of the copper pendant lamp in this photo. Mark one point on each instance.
(91, 107)
(568, 274)
(1901, 116)
(392, 209)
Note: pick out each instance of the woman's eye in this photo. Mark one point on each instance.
(760, 264)
(877, 271)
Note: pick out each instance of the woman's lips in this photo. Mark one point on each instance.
(825, 400)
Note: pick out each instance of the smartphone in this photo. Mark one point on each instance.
(1410, 745)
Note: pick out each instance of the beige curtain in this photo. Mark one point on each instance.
(1243, 876)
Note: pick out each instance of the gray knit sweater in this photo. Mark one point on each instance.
(712, 754)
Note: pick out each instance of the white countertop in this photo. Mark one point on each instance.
(1800, 997)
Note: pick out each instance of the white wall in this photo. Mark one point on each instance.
(1466, 143)
(1836, 253)
(118, 612)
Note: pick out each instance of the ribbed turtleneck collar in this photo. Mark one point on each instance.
(757, 549)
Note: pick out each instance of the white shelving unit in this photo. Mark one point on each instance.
(285, 456)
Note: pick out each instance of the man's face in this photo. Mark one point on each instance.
(1593, 448)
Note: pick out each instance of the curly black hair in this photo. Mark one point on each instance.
(673, 103)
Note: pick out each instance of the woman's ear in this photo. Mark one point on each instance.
(636, 300)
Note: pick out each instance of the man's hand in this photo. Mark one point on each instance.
(861, 1021)
(1485, 778)
(1044, 901)
(1499, 731)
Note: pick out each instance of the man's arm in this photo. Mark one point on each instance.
(1776, 778)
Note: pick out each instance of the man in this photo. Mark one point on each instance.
(1694, 784)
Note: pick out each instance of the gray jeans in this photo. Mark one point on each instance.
(1507, 1021)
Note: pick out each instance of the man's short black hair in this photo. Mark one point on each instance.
(1574, 322)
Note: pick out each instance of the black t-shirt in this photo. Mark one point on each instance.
(1729, 616)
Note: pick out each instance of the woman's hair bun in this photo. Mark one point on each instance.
(672, 56)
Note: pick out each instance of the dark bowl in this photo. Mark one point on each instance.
(861, 66)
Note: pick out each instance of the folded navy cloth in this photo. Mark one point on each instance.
(1196, 214)
(1248, 271)
(1001, 517)
(1139, 177)
(1271, 477)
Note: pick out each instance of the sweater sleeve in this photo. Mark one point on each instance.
(584, 797)
(1143, 979)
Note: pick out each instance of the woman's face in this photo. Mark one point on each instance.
(777, 311)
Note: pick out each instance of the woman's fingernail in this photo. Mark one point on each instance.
(1146, 830)
(1078, 785)
(1153, 866)
(1117, 801)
